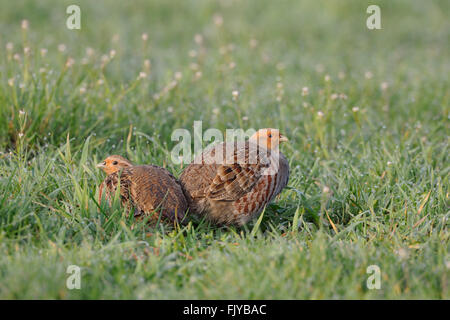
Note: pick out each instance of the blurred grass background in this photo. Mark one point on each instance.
(366, 112)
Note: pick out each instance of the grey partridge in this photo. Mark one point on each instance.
(148, 189)
(232, 182)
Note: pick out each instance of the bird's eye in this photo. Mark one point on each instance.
(115, 163)
(270, 135)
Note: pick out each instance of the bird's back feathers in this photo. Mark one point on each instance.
(147, 188)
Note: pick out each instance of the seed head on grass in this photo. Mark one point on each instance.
(305, 91)
(198, 38)
(178, 75)
(218, 20)
(90, 52)
(104, 59)
(62, 47)
(142, 75)
(70, 62)
(235, 95)
(198, 75)
(25, 24)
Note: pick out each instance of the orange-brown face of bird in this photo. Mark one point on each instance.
(268, 138)
(113, 164)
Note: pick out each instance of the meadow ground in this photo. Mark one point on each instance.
(366, 112)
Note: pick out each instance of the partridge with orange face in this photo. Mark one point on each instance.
(149, 189)
(232, 182)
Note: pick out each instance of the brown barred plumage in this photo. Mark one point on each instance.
(234, 187)
(148, 189)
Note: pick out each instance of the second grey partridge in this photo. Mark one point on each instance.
(232, 187)
(148, 189)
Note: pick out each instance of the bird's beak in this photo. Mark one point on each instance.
(283, 138)
(100, 165)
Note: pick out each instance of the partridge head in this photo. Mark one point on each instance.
(114, 163)
(268, 138)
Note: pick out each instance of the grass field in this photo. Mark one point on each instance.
(366, 112)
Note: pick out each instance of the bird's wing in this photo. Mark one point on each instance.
(238, 175)
(153, 188)
(239, 171)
